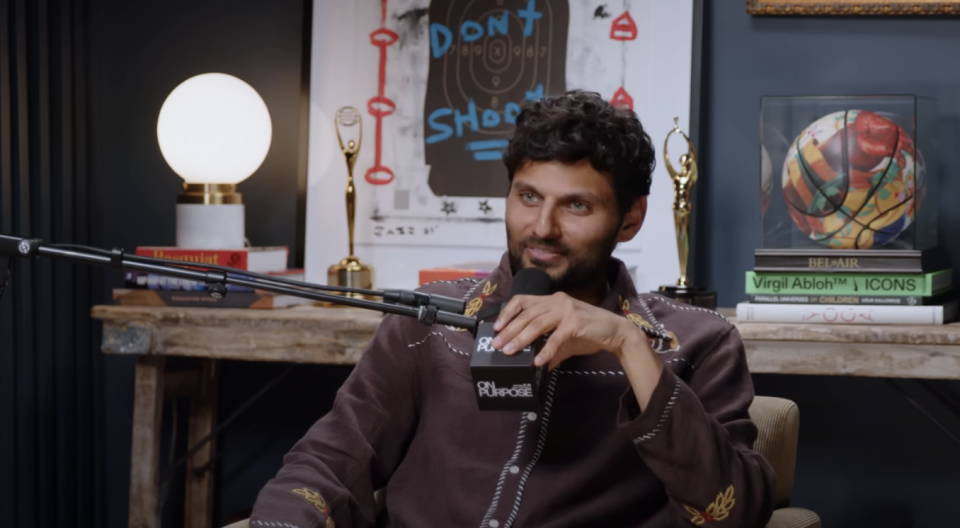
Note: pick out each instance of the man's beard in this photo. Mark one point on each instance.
(581, 269)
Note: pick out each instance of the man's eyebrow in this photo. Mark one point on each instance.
(584, 196)
(521, 188)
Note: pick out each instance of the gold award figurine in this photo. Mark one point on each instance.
(350, 272)
(683, 182)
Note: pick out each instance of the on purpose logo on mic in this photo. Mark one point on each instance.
(489, 389)
(485, 345)
(502, 382)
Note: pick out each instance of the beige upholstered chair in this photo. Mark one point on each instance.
(778, 422)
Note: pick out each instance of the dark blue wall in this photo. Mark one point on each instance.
(866, 456)
(748, 57)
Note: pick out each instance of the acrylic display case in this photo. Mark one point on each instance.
(848, 173)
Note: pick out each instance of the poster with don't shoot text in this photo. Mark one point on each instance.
(439, 84)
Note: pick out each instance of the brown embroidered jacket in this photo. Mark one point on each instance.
(406, 420)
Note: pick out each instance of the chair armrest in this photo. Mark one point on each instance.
(794, 518)
(240, 524)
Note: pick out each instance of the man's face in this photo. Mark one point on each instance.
(564, 220)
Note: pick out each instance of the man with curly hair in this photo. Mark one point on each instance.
(645, 421)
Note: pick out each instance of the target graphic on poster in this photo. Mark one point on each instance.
(487, 58)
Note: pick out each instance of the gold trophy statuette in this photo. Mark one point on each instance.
(350, 272)
(683, 181)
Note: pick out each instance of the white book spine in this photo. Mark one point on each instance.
(839, 314)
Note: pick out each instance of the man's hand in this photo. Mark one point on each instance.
(577, 328)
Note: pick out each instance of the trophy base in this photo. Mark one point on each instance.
(349, 273)
(694, 296)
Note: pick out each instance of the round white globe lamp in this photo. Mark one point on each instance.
(214, 131)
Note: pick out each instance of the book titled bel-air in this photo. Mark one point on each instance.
(849, 260)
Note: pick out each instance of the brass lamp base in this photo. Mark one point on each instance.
(209, 194)
(350, 273)
(694, 296)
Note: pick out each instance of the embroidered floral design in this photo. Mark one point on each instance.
(674, 342)
(314, 498)
(718, 510)
(657, 343)
(474, 306)
(634, 318)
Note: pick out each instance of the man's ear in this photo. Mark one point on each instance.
(633, 220)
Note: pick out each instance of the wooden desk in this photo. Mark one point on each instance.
(337, 336)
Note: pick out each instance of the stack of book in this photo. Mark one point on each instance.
(849, 287)
(467, 270)
(148, 289)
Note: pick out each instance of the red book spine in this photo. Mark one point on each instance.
(232, 258)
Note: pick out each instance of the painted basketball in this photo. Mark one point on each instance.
(849, 180)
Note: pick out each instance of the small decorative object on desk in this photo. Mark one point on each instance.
(350, 272)
(683, 182)
(849, 230)
(233, 299)
(149, 289)
(151, 281)
(467, 270)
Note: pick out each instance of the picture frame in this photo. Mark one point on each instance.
(852, 7)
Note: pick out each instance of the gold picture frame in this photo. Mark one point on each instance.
(853, 7)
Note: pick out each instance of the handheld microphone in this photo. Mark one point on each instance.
(502, 382)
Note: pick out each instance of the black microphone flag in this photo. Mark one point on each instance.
(502, 382)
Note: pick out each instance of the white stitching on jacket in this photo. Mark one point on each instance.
(476, 284)
(689, 308)
(663, 418)
(272, 524)
(536, 455)
(616, 372)
(506, 467)
(424, 340)
(674, 360)
(653, 320)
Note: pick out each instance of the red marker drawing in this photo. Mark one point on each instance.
(832, 312)
(381, 106)
(623, 27)
(622, 98)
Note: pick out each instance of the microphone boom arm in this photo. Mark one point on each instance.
(424, 310)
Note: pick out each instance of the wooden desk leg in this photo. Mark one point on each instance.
(145, 452)
(203, 416)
